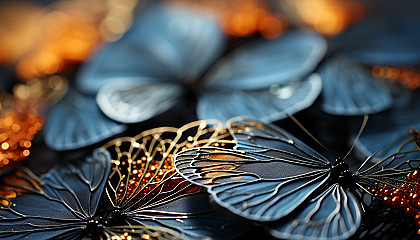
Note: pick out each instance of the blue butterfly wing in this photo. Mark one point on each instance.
(349, 89)
(268, 104)
(167, 43)
(333, 214)
(161, 197)
(383, 40)
(76, 121)
(252, 134)
(136, 102)
(189, 214)
(292, 56)
(385, 132)
(57, 205)
(270, 175)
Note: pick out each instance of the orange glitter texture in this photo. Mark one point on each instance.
(142, 166)
(242, 18)
(18, 128)
(406, 197)
(407, 76)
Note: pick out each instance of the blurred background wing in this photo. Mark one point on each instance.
(268, 104)
(385, 132)
(292, 56)
(382, 40)
(349, 89)
(76, 121)
(136, 102)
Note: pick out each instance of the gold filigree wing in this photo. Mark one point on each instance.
(144, 185)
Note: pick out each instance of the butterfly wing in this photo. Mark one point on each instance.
(166, 42)
(76, 121)
(382, 40)
(349, 89)
(333, 214)
(131, 102)
(275, 179)
(144, 184)
(268, 104)
(292, 56)
(254, 188)
(270, 175)
(141, 75)
(55, 206)
(385, 132)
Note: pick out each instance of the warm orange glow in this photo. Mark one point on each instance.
(243, 17)
(68, 39)
(407, 76)
(19, 29)
(328, 17)
(17, 126)
(46, 40)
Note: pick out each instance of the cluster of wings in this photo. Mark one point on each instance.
(158, 183)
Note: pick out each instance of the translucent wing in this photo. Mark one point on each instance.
(261, 189)
(333, 214)
(58, 204)
(348, 89)
(76, 121)
(292, 56)
(269, 104)
(385, 132)
(276, 180)
(131, 102)
(167, 43)
(385, 40)
(251, 134)
(270, 175)
(145, 186)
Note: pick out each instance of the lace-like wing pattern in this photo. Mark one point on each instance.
(57, 205)
(273, 178)
(147, 190)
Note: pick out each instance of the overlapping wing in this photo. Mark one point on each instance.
(385, 132)
(145, 186)
(270, 175)
(292, 56)
(76, 121)
(349, 89)
(58, 204)
(269, 104)
(142, 74)
(276, 180)
(381, 40)
(255, 186)
(333, 214)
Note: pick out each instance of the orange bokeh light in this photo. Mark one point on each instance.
(407, 76)
(328, 17)
(69, 39)
(242, 18)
